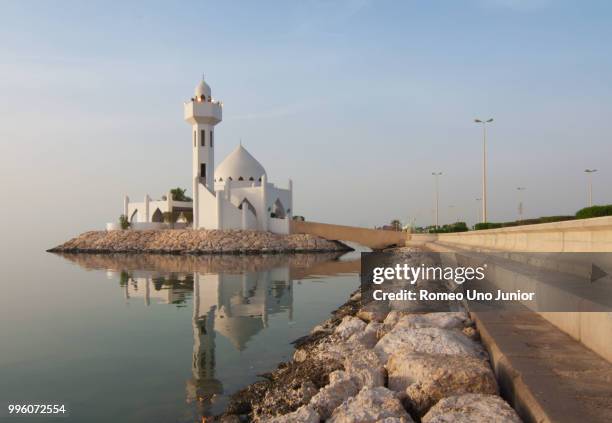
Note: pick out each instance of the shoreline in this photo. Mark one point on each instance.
(196, 243)
(369, 363)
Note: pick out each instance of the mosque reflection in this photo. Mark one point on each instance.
(232, 297)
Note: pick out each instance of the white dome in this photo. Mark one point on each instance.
(202, 89)
(239, 164)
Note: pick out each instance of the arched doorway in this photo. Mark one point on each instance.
(158, 216)
(278, 210)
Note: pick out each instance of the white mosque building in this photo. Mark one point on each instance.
(236, 196)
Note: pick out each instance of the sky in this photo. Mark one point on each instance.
(357, 101)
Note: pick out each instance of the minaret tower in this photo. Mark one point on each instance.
(203, 113)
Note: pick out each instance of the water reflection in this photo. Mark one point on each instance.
(233, 299)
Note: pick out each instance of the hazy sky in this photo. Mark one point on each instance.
(357, 101)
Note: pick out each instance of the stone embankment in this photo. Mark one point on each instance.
(379, 363)
(187, 241)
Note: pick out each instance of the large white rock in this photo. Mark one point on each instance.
(374, 311)
(349, 326)
(442, 320)
(427, 340)
(365, 367)
(369, 336)
(371, 405)
(427, 378)
(304, 414)
(341, 387)
(471, 408)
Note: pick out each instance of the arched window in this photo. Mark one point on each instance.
(241, 178)
(220, 179)
(251, 179)
(249, 206)
(230, 179)
(203, 97)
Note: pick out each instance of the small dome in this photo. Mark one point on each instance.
(202, 89)
(239, 164)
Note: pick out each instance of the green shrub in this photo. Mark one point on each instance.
(548, 219)
(453, 227)
(487, 225)
(172, 217)
(595, 211)
(543, 219)
(124, 222)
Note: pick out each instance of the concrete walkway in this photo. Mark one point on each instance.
(543, 373)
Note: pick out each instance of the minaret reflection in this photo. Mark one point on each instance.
(236, 306)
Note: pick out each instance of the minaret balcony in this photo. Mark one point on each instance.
(208, 112)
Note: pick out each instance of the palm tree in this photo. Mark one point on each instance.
(396, 225)
(178, 194)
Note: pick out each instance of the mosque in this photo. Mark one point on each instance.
(237, 195)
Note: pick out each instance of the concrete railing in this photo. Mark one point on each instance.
(583, 235)
(373, 238)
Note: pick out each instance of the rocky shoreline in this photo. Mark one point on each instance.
(188, 241)
(379, 363)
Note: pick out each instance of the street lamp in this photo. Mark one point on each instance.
(484, 166)
(520, 207)
(436, 175)
(590, 172)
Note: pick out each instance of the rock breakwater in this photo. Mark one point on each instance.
(376, 363)
(187, 241)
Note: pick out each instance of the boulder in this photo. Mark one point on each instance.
(349, 326)
(471, 408)
(371, 405)
(374, 311)
(427, 340)
(442, 320)
(341, 387)
(427, 378)
(304, 414)
(365, 368)
(369, 336)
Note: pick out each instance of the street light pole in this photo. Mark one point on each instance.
(520, 207)
(590, 172)
(436, 175)
(484, 166)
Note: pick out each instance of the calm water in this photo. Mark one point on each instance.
(156, 338)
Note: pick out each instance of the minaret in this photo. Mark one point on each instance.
(203, 113)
